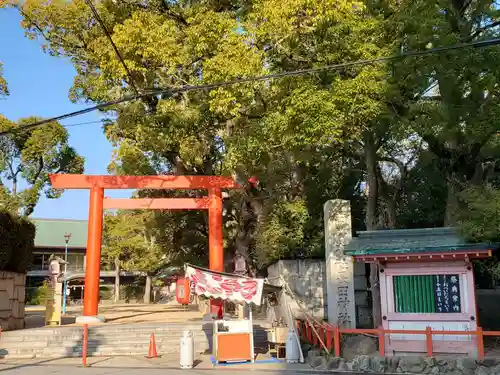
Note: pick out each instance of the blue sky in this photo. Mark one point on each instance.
(39, 86)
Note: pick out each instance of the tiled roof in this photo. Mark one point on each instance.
(411, 241)
(50, 233)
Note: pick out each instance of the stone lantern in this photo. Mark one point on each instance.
(240, 264)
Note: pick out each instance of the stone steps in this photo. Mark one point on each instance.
(96, 350)
(78, 336)
(109, 340)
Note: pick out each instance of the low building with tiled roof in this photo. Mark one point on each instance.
(50, 239)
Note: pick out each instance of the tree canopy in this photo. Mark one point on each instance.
(27, 157)
(130, 240)
(4, 91)
(405, 141)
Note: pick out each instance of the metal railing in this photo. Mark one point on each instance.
(330, 336)
(44, 267)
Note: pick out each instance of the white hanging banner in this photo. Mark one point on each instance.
(217, 285)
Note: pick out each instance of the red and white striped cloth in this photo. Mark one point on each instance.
(233, 288)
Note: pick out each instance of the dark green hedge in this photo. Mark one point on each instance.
(17, 241)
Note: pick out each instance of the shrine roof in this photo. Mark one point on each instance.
(50, 233)
(413, 241)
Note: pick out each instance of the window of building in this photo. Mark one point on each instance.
(427, 294)
(76, 262)
(37, 263)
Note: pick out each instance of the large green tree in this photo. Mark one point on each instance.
(27, 157)
(284, 131)
(308, 138)
(130, 243)
(451, 99)
(3, 83)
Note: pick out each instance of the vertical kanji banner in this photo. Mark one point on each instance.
(227, 287)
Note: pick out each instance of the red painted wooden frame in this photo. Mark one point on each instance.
(97, 183)
(331, 333)
(82, 181)
(157, 203)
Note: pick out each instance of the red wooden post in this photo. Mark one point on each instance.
(85, 344)
(336, 341)
(299, 328)
(215, 242)
(480, 343)
(328, 338)
(315, 337)
(428, 341)
(381, 342)
(93, 261)
(309, 333)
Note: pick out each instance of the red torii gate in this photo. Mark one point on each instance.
(97, 183)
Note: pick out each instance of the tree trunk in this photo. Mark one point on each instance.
(250, 213)
(391, 214)
(450, 217)
(372, 185)
(117, 281)
(371, 224)
(147, 289)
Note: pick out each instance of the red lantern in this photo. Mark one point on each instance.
(254, 181)
(182, 291)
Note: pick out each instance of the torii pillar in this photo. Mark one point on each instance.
(98, 183)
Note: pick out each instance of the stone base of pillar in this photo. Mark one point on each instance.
(82, 319)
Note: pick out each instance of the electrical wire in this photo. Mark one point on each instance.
(211, 86)
(83, 123)
(117, 52)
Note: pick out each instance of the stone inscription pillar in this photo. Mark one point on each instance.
(339, 267)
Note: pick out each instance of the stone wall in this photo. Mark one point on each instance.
(307, 279)
(12, 299)
(374, 364)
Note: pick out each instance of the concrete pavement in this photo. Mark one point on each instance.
(136, 365)
(65, 370)
(122, 314)
(160, 366)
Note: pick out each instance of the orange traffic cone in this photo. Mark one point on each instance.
(152, 353)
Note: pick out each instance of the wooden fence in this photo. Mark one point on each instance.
(330, 336)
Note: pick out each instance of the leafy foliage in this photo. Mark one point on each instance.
(451, 99)
(127, 238)
(29, 156)
(481, 220)
(266, 128)
(3, 83)
(418, 131)
(17, 241)
(38, 295)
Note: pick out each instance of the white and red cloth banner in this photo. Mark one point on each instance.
(217, 285)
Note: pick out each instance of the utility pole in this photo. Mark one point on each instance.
(67, 237)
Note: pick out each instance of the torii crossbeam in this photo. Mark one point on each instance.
(98, 183)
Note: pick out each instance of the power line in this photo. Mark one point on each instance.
(211, 86)
(117, 52)
(82, 123)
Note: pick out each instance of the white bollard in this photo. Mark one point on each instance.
(292, 348)
(187, 350)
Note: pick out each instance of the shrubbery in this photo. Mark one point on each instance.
(17, 241)
(38, 295)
